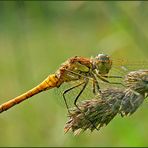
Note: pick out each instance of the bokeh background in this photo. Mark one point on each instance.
(36, 37)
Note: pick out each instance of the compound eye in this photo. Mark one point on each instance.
(103, 57)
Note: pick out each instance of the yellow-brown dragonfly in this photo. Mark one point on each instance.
(75, 68)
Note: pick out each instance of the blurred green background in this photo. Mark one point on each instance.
(36, 37)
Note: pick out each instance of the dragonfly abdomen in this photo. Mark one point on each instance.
(50, 82)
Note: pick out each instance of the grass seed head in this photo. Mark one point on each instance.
(99, 111)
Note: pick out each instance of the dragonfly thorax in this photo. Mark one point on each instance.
(102, 63)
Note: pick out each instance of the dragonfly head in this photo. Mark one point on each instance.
(102, 63)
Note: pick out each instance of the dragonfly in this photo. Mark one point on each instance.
(103, 108)
(74, 69)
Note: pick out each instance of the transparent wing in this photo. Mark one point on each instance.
(123, 66)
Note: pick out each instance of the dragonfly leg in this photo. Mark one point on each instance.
(75, 103)
(66, 91)
(95, 84)
(85, 84)
(113, 76)
(94, 87)
(118, 83)
(103, 79)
